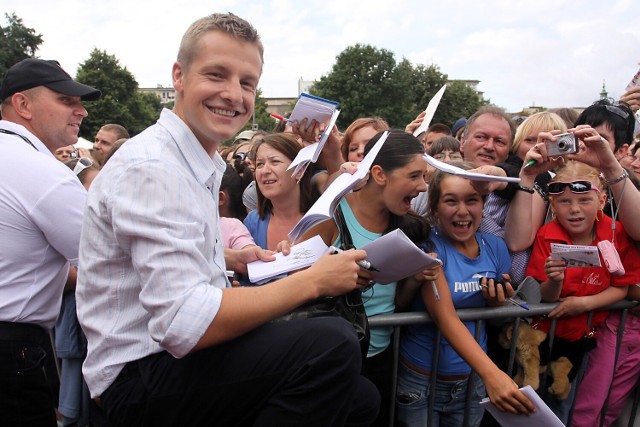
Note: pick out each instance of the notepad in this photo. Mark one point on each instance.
(397, 257)
(543, 416)
(313, 108)
(310, 153)
(301, 256)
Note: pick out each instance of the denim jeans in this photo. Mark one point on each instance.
(412, 400)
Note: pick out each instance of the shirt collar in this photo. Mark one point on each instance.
(203, 166)
(21, 130)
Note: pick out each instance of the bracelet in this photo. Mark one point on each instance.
(525, 189)
(622, 177)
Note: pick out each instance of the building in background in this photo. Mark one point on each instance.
(164, 94)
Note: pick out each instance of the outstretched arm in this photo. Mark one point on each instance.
(502, 391)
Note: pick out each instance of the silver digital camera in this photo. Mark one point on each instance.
(564, 144)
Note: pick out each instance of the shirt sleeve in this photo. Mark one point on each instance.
(238, 234)
(61, 223)
(629, 256)
(159, 221)
(539, 254)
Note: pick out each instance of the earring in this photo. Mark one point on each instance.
(601, 213)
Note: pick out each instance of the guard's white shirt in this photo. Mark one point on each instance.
(41, 204)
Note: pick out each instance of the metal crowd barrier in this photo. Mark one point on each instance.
(398, 320)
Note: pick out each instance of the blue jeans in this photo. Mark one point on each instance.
(412, 400)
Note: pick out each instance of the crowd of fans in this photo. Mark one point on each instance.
(159, 213)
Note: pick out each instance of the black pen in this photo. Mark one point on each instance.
(362, 263)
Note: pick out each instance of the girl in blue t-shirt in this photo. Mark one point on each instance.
(455, 208)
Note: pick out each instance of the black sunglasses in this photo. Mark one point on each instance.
(578, 187)
(242, 156)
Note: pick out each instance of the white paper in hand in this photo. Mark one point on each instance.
(430, 111)
(302, 255)
(474, 176)
(543, 416)
(324, 207)
(395, 257)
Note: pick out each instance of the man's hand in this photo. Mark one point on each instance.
(337, 274)
(486, 187)
(237, 260)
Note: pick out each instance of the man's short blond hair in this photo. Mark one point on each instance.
(228, 23)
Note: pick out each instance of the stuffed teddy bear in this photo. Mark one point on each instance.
(529, 362)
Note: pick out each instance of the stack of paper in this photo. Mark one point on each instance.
(395, 257)
(324, 207)
(312, 108)
(302, 255)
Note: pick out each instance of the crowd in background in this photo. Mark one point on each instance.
(160, 212)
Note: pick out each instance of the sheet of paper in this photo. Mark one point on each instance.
(397, 257)
(326, 204)
(543, 416)
(576, 255)
(635, 81)
(454, 170)
(310, 153)
(431, 111)
(302, 255)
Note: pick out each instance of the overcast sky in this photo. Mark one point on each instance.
(551, 53)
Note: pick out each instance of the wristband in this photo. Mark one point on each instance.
(526, 189)
(624, 175)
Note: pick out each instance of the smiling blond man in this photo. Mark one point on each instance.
(170, 342)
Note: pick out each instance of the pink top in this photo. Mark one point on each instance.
(234, 234)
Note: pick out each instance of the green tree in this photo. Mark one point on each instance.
(17, 42)
(367, 82)
(459, 100)
(120, 102)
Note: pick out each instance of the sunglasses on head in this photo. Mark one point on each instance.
(617, 111)
(578, 187)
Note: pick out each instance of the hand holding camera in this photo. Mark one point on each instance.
(563, 144)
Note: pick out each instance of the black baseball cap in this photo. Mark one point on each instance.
(32, 72)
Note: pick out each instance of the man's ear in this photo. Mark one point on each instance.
(378, 175)
(22, 105)
(177, 74)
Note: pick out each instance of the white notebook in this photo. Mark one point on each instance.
(301, 256)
